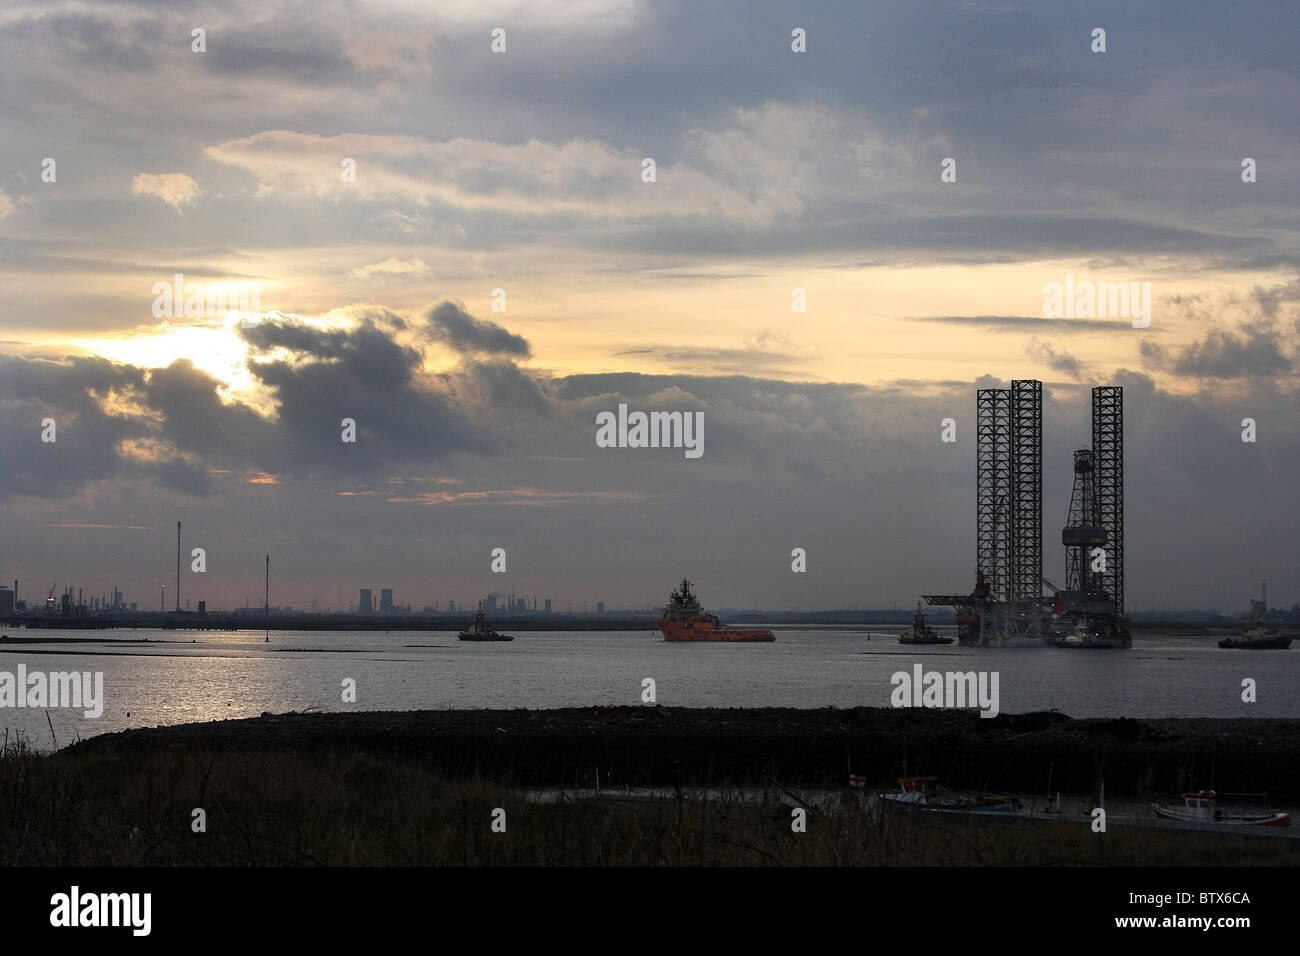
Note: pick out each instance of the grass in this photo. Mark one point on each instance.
(350, 808)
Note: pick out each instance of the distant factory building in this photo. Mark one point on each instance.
(600, 607)
(363, 605)
(490, 603)
(548, 605)
(386, 600)
(6, 600)
(521, 605)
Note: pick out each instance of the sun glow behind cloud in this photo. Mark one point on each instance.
(218, 350)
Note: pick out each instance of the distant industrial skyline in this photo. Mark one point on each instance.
(118, 601)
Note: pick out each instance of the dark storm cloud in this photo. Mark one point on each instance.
(184, 429)
(86, 445)
(297, 337)
(1252, 350)
(192, 415)
(362, 374)
(450, 323)
(503, 384)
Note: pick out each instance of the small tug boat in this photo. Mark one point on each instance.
(918, 633)
(1199, 807)
(1257, 637)
(480, 631)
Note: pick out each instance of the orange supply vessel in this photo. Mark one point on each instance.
(683, 620)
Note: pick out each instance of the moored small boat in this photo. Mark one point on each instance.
(915, 796)
(1200, 807)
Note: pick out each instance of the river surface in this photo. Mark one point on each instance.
(155, 677)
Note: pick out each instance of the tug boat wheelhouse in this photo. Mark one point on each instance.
(683, 619)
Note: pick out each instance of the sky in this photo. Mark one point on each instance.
(462, 250)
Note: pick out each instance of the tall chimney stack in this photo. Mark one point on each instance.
(178, 566)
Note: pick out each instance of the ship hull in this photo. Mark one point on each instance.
(1185, 816)
(1257, 644)
(479, 637)
(701, 631)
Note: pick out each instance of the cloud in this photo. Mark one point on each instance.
(94, 405)
(175, 189)
(7, 206)
(767, 353)
(1013, 323)
(1271, 300)
(763, 164)
(391, 267)
(451, 324)
(1251, 350)
(1043, 352)
(583, 177)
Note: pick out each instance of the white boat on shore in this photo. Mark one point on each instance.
(1201, 807)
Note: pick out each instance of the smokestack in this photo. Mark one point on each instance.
(178, 566)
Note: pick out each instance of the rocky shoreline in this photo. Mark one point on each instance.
(657, 745)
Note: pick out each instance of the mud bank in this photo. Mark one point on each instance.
(663, 745)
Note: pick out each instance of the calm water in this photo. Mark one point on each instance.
(201, 676)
